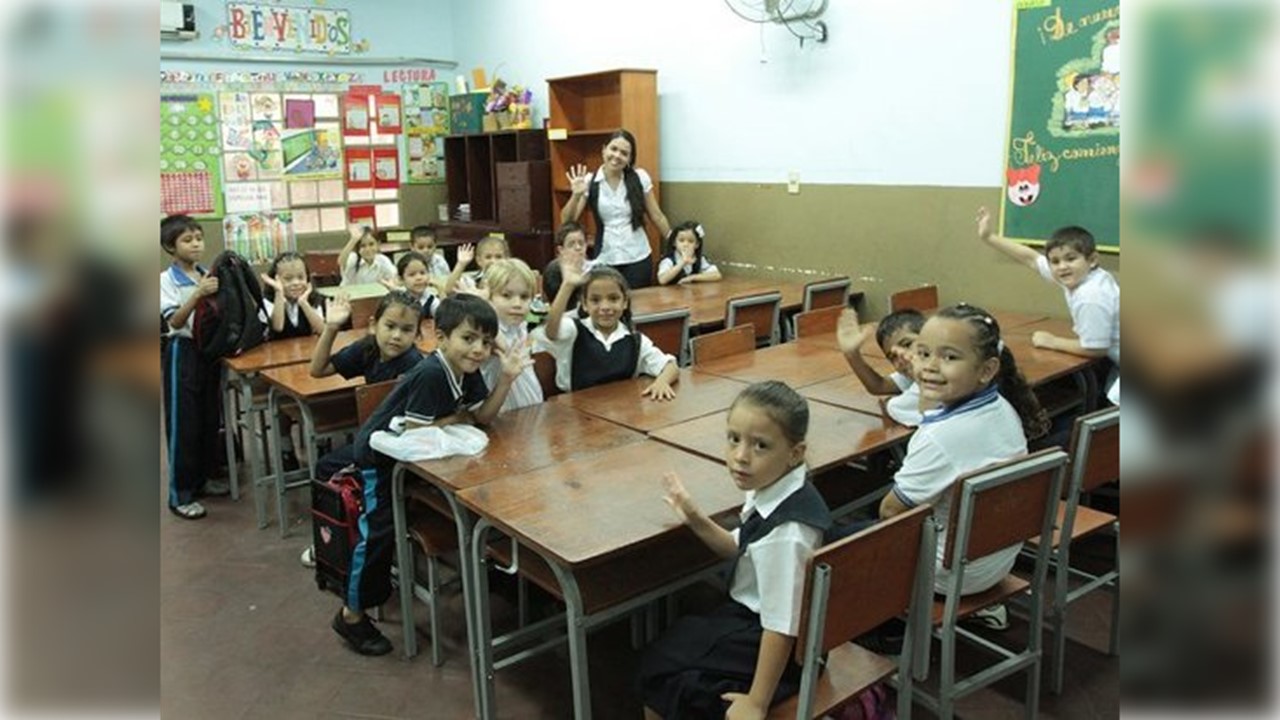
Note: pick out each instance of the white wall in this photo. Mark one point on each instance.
(901, 94)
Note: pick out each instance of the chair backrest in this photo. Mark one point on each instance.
(818, 322)
(722, 343)
(1095, 450)
(669, 330)
(923, 298)
(362, 310)
(1004, 504)
(544, 366)
(369, 397)
(825, 293)
(856, 584)
(323, 262)
(763, 310)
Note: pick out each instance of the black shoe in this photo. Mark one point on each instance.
(362, 636)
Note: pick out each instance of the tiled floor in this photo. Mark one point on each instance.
(245, 634)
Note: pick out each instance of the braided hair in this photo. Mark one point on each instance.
(1010, 381)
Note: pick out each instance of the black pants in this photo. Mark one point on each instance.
(638, 274)
(193, 412)
(369, 578)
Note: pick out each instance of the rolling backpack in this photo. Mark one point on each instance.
(336, 505)
(231, 320)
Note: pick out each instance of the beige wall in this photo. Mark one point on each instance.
(885, 237)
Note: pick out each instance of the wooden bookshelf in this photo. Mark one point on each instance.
(590, 108)
(471, 176)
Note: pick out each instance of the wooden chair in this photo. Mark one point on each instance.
(818, 322)
(821, 294)
(323, 266)
(431, 532)
(923, 298)
(544, 366)
(853, 585)
(722, 343)
(992, 509)
(669, 330)
(763, 310)
(1095, 461)
(362, 310)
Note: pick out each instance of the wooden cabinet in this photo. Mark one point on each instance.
(535, 247)
(588, 109)
(472, 176)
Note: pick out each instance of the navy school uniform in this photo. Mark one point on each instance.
(683, 674)
(431, 390)
(295, 323)
(585, 358)
(192, 401)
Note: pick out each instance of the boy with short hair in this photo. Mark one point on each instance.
(445, 388)
(896, 335)
(1070, 260)
(423, 239)
(191, 381)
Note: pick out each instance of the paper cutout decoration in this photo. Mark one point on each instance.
(299, 113)
(389, 122)
(386, 167)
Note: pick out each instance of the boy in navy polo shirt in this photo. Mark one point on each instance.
(445, 388)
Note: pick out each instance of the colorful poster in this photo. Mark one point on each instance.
(359, 168)
(355, 115)
(426, 122)
(256, 26)
(312, 153)
(389, 122)
(259, 237)
(299, 113)
(362, 215)
(386, 167)
(190, 156)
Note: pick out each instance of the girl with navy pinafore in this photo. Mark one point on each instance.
(292, 305)
(739, 660)
(601, 347)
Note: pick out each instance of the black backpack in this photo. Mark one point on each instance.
(229, 322)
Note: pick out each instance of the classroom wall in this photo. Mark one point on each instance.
(394, 29)
(896, 126)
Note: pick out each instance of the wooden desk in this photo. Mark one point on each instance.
(795, 363)
(697, 394)
(706, 301)
(338, 399)
(520, 441)
(836, 435)
(241, 370)
(610, 540)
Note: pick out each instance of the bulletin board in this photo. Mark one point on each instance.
(426, 118)
(1062, 162)
(190, 156)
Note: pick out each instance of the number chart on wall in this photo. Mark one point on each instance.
(1063, 153)
(190, 156)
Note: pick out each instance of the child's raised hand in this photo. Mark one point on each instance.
(678, 498)
(984, 223)
(577, 176)
(516, 359)
(466, 253)
(659, 390)
(391, 284)
(572, 275)
(208, 285)
(355, 231)
(849, 332)
(339, 311)
(271, 282)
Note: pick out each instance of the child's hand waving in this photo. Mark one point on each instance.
(678, 498)
(339, 311)
(849, 332)
(572, 275)
(466, 253)
(515, 359)
(271, 282)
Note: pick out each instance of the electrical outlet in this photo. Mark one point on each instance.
(793, 183)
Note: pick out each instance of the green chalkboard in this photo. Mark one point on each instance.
(1062, 160)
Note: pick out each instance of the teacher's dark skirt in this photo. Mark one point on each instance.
(684, 673)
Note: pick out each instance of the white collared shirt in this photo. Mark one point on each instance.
(176, 287)
(769, 578)
(622, 243)
(651, 361)
(949, 443)
(904, 407)
(1095, 308)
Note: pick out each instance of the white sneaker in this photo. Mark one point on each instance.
(994, 617)
(308, 557)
